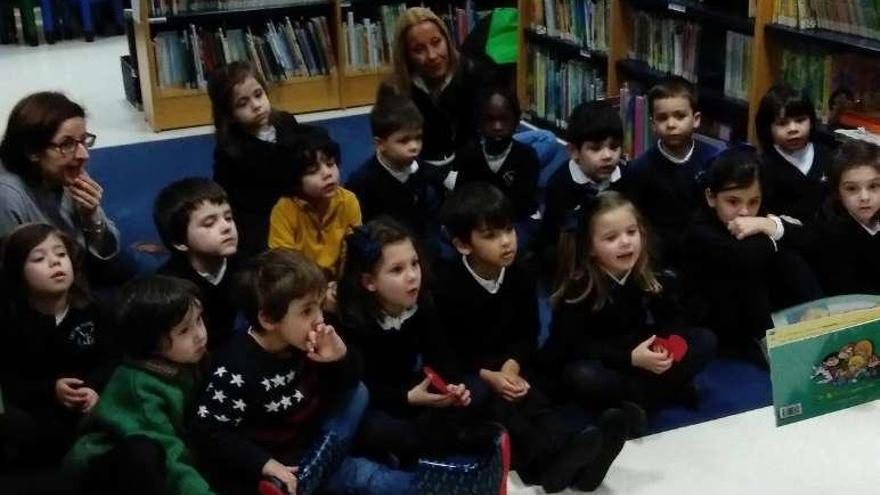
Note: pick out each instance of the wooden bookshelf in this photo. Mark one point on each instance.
(171, 108)
(765, 51)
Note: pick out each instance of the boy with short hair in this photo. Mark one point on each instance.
(595, 136)
(488, 306)
(393, 182)
(133, 441)
(271, 387)
(318, 214)
(194, 220)
(664, 182)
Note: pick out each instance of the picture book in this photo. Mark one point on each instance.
(824, 357)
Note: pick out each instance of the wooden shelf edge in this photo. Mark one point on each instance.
(569, 47)
(691, 9)
(833, 39)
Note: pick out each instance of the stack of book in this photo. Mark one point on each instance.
(584, 22)
(459, 20)
(858, 17)
(280, 49)
(738, 66)
(369, 43)
(556, 85)
(666, 45)
(174, 7)
(637, 134)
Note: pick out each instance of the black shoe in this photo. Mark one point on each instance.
(614, 424)
(636, 418)
(580, 451)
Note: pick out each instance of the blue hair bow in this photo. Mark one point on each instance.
(363, 243)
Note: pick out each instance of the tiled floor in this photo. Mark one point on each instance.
(742, 454)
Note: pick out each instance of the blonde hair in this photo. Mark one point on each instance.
(401, 77)
(578, 275)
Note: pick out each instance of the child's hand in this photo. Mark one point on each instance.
(510, 387)
(324, 345)
(67, 392)
(286, 474)
(90, 398)
(86, 194)
(655, 362)
(460, 392)
(329, 304)
(419, 396)
(743, 227)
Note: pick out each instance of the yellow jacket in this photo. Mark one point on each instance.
(296, 224)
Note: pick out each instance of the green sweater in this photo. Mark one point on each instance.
(147, 398)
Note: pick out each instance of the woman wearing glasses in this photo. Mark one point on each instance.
(43, 177)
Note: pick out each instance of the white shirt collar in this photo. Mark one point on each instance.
(674, 159)
(420, 83)
(62, 315)
(621, 280)
(491, 286)
(401, 175)
(388, 322)
(496, 161)
(579, 177)
(802, 158)
(215, 278)
(269, 134)
(871, 229)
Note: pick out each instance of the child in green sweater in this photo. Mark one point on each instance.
(133, 442)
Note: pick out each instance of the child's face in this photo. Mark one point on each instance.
(211, 231)
(321, 179)
(734, 203)
(188, 340)
(303, 315)
(860, 193)
(490, 248)
(250, 105)
(791, 133)
(401, 147)
(673, 121)
(616, 240)
(597, 159)
(48, 269)
(497, 124)
(397, 279)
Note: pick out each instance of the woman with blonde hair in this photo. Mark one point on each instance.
(428, 68)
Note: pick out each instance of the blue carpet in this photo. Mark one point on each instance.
(133, 174)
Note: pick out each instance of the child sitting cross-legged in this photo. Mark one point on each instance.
(489, 309)
(133, 441)
(194, 220)
(261, 420)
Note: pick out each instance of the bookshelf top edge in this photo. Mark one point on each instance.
(692, 9)
(189, 17)
(833, 39)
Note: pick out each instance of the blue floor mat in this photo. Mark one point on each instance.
(133, 174)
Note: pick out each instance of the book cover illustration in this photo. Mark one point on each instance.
(826, 358)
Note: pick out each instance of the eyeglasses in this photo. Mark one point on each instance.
(68, 146)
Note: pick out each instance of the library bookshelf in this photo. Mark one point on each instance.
(768, 39)
(175, 106)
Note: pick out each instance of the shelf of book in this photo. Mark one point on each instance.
(697, 11)
(568, 48)
(708, 96)
(832, 40)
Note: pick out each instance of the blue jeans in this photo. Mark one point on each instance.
(358, 475)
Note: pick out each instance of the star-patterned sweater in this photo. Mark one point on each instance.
(259, 405)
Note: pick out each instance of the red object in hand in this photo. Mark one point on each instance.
(675, 345)
(438, 383)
